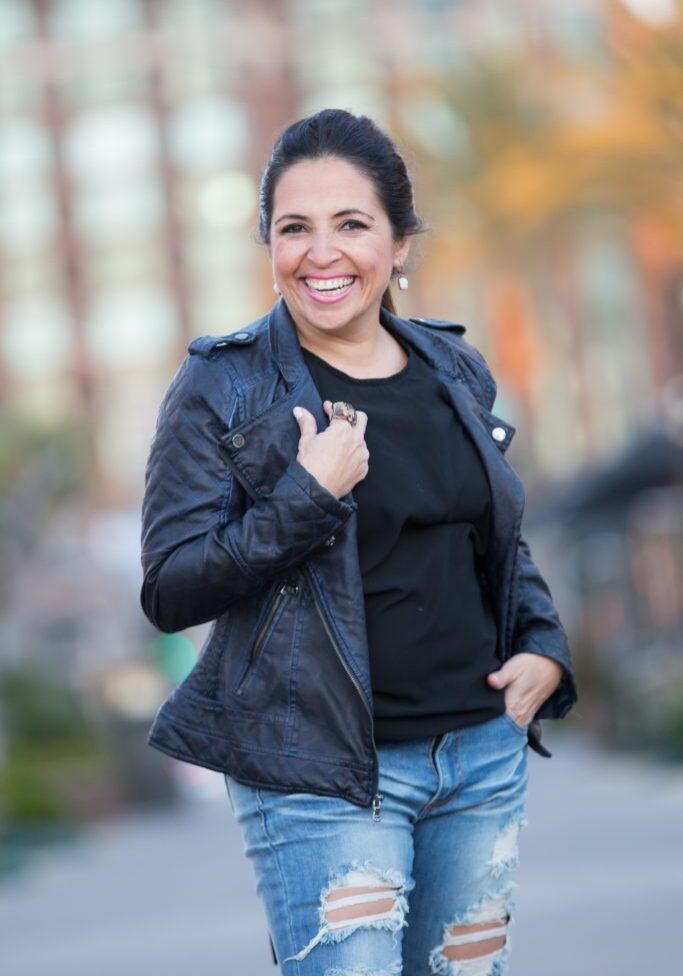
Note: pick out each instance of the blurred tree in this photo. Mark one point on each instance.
(53, 756)
(40, 470)
(545, 147)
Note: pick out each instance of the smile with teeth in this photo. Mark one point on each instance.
(329, 286)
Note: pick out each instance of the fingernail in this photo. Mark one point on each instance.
(297, 412)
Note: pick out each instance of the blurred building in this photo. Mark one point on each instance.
(545, 143)
(132, 137)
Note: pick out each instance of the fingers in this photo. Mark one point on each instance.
(361, 418)
(361, 422)
(306, 421)
(308, 426)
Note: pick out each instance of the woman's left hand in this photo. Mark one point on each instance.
(530, 679)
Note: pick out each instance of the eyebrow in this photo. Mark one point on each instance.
(340, 213)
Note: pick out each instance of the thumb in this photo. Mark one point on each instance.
(500, 678)
(306, 421)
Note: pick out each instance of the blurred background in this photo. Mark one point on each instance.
(545, 140)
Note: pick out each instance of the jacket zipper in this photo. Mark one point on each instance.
(377, 797)
(286, 588)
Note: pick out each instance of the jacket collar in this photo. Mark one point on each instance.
(286, 350)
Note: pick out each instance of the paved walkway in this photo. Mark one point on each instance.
(600, 884)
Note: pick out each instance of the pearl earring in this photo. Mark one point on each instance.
(276, 289)
(402, 282)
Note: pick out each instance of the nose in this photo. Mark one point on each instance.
(322, 250)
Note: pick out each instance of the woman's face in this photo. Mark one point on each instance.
(331, 246)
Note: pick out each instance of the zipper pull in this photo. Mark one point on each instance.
(377, 806)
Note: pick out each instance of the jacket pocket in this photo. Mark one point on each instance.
(277, 604)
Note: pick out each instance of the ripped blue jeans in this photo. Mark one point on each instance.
(427, 888)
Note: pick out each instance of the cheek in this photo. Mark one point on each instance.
(376, 257)
(285, 257)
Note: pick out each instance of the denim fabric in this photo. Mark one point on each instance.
(440, 852)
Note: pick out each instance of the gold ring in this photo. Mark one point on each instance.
(344, 410)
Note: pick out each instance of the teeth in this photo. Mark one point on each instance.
(330, 284)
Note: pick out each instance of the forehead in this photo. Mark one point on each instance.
(321, 186)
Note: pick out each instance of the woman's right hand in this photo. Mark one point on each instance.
(337, 457)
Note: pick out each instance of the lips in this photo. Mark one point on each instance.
(329, 284)
(329, 289)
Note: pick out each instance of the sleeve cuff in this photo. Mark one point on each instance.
(565, 695)
(323, 498)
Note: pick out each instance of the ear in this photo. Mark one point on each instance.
(401, 250)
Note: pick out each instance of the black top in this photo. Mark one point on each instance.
(423, 525)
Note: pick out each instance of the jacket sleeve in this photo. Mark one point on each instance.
(538, 630)
(196, 560)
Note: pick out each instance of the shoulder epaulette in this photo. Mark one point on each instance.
(440, 324)
(209, 345)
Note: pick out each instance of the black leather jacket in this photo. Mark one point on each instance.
(236, 531)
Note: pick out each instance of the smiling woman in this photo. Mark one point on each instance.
(369, 217)
(329, 485)
(332, 246)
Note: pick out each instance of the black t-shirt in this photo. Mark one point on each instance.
(423, 526)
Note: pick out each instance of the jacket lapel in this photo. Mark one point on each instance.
(506, 489)
(262, 446)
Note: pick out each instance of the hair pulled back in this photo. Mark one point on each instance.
(357, 139)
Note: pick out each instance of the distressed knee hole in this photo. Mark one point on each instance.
(355, 903)
(477, 941)
(360, 897)
(471, 941)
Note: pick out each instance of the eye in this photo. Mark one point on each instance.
(290, 228)
(355, 223)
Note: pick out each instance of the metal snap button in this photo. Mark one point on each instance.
(238, 440)
(330, 541)
(498, 434)
(241, 336)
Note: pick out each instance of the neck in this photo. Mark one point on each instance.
(365, 345)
